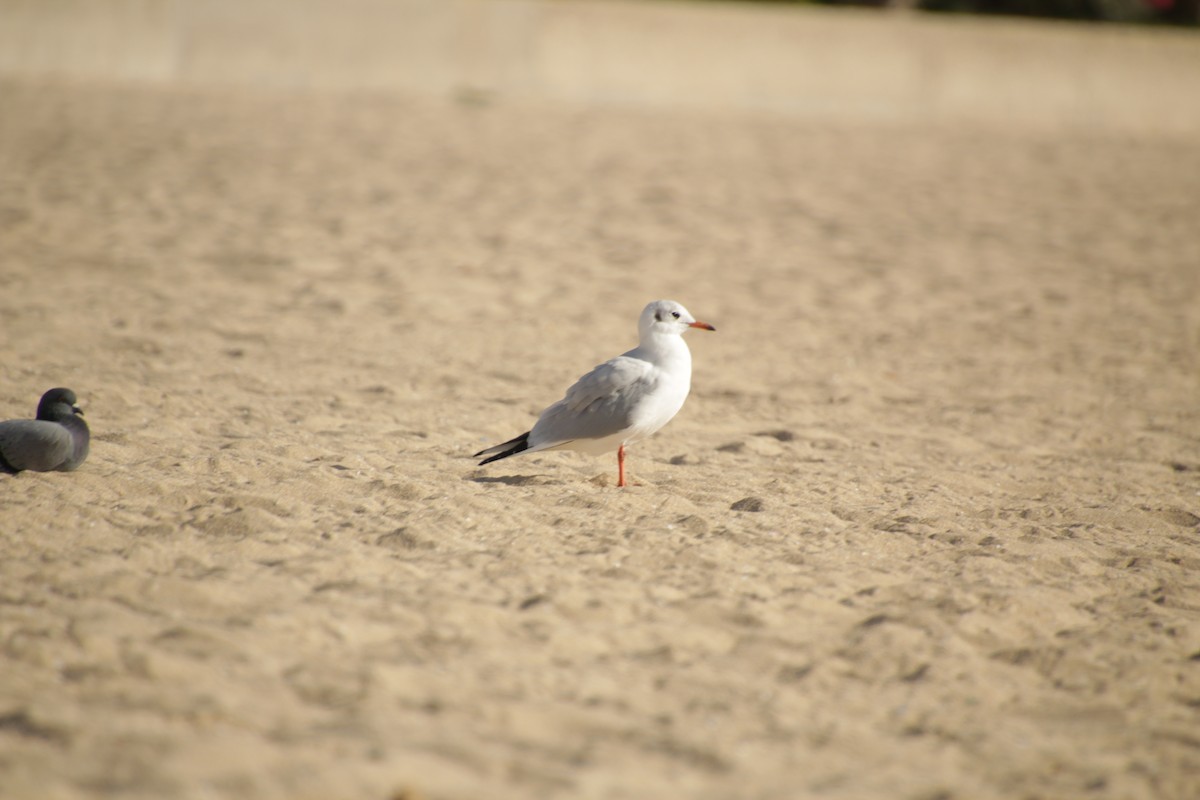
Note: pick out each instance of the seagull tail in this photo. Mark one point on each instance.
(509, 448)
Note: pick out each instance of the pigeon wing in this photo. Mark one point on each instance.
(35, 444)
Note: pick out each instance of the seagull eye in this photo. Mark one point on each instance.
(675, 314)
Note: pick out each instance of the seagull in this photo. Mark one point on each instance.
(56, 440)
(623, 400)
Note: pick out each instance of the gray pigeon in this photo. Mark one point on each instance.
(56, 440)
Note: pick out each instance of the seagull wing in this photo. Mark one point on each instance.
(600, 404)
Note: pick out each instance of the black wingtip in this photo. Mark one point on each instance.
(511, 448)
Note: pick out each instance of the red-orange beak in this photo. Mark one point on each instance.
(702, 325)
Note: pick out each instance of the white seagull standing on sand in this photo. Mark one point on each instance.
(623, 400)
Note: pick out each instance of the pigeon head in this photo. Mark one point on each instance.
(58, 404)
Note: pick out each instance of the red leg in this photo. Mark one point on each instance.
(621, 466)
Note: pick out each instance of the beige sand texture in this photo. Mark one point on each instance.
(926, 528)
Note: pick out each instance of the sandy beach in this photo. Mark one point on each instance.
(928, 526)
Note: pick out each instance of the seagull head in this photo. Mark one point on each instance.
(667, 317)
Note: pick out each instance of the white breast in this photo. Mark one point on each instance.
(673, 381)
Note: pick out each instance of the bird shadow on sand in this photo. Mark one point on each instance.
(515, 480)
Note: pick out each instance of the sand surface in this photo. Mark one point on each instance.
(926, 528)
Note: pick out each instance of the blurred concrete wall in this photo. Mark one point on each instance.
(823, 63)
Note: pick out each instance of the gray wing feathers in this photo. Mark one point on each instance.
(35, 444)
(600, 403)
